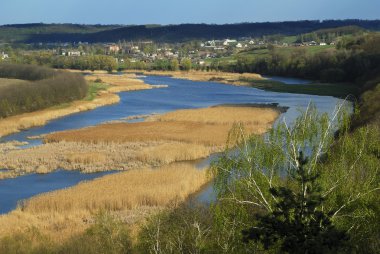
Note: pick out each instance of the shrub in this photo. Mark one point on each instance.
(46, 88)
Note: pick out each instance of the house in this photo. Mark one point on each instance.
(251, 42)
(227, 42)
(322, 44)
(4, 56)
(74, 53)
(112, 48)
(312, 43)
(239, 45)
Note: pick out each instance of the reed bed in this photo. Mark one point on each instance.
(124, 191)
(177, 136)
(96, 157)
(221, 115)
(120, 83)
(208, 127)
(132, 196)
(222, 77)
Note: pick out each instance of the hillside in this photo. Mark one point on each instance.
(23, 32)
(35, 33)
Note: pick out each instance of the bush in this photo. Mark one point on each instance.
(107, 235)
(46, 88)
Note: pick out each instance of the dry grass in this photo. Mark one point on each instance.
(221, 115)
(96, 157)
(11, 82)
(176, 136)
(132, 196)
(208, 126)
(120, 83)
(124, 191)
(222, 77)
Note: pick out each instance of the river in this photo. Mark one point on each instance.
(180, 94)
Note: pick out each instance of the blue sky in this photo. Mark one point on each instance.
(182, 11)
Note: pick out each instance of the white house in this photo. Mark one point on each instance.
(322, 44)
(312, 43)
(74, 53)
(228, 42)
(239, 45)
(4, 56)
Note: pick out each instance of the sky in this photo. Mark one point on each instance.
(130, 12)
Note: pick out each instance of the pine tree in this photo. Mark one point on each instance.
(298, 223)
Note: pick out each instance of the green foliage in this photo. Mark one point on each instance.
(174, 65)
(185, 229)
(107, 236)
(94, 88)
(186, 64)
(47, 88)
(351, 182)
(297, 223)
(252, 181)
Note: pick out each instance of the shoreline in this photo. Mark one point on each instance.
(182, 134)
(17, 123)
(338, 90)
(228, 78)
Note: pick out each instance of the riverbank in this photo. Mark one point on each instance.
(161, 139)
(178, 136)
(130, 196)
(102, 97)
(340, 90)
(215, 76)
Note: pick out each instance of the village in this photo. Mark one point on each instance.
(201, 53)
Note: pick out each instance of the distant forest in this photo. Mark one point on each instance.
(45, 33)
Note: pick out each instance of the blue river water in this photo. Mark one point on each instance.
(180, 94)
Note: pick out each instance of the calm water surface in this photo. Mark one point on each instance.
(181, 94)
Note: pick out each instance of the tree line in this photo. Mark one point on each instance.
(44, 88)
(357, 59)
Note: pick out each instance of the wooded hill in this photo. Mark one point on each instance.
(35, 33)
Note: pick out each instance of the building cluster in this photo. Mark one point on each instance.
(4, 56)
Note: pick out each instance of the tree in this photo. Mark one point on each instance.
(260, 179)
(174, 65)
(297, 222)
(186, 64)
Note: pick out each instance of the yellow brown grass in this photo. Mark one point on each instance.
(222, 77)
(120, 83)
(131, 195)
(208, 126)
(11, 82)
(128, 190)
(96, 157)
